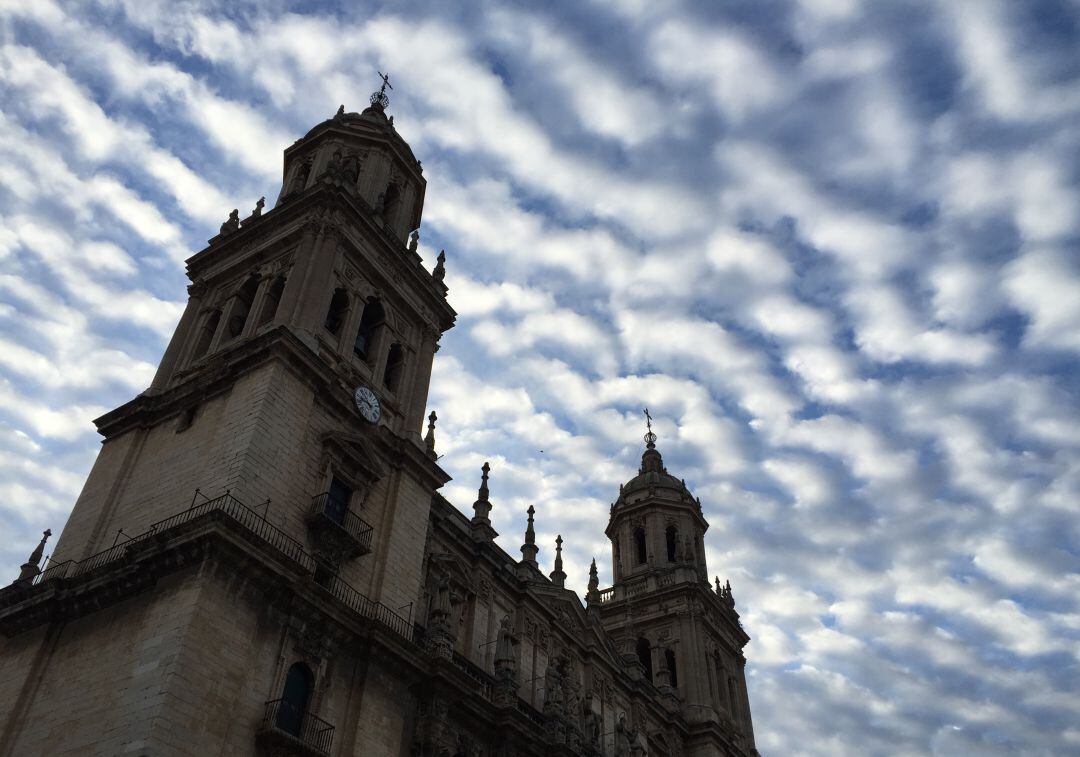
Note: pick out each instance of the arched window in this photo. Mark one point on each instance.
(339, 308)
(644, 655)
(206, 334)
(242, 306)
(391, 200)
(395, 362)
(669, 660)
(272, 300)
(672, 537)
(640, 549)
(370, 322)
(294, 699)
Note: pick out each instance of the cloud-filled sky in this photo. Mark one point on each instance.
(831, 244)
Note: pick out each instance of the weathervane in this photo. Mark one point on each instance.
(380, 98)
(650, 437)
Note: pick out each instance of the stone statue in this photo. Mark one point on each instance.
(553, 695)
(259, 207)
(300, 180)
(414, 240)
(504, 647)
(441, 605)
(351, 170)
(340, 113)
(232, 224)
(591, 725)
(439, 273)
(622, 738)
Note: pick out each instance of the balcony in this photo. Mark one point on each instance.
(284, 731)
(339, 534)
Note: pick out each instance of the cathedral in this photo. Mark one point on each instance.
(260, 562)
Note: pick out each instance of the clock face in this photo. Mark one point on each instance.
(367, 403)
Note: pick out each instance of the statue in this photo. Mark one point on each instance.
(591, 725)
(622, 738)
(259, 207)
(414, 240)
(232, 224)
(351, 170)
(504, 647)
(441, 605)
(340, 113)
(300, 180)
(553, 696)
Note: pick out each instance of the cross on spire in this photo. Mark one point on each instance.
(380, 99)
(650, 437)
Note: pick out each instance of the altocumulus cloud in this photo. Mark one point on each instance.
(831, 245)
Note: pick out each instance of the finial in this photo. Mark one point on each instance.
(379, 99)
(718, 589)
(558, 577)
(439, 273)
(594, 579)
(429, 439)
(529, 548)
(414, 240)
(484, 470)
(30, 569)
(481, 523)
(650, 437)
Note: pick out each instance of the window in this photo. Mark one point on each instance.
(273, 298)
(323, 575)
(644, 655)
(206, 334)
(669, 659)
(672, 536)
(337, 500)
(391, 200)
(294, 699)
(339, 308)
(242, 306)
(395, 361)
(370, 321)
(639, 546)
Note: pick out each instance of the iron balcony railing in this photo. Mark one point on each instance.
(257, 525)
(338, 512)
(282, 717)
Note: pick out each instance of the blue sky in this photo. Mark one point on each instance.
(831, 245)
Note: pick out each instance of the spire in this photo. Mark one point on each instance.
(379, 100)
(429, 439)
(651, 462)
(529, 548)
(558, 577)
(439, 272)
(481, 523)
(593, 595)
(30, 569)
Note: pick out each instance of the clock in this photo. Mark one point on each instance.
(367, 403)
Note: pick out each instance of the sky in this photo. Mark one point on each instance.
(830, 244)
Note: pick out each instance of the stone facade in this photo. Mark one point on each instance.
(261, 564)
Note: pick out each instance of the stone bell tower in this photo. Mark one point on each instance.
(272, 472)
(679, 634)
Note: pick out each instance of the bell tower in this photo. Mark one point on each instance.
(673, 629)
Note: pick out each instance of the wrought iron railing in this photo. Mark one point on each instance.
(313, 732)
(338, 512)
(483, 680)
(254, 523)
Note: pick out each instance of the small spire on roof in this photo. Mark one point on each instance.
(379, 99)
(650, 437)
(529, 548)
(439, 272)
(30, 569)
(481, 523)
(429, 438)
(558, 577)
(593, 595)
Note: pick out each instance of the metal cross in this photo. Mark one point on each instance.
(648, 420)
(385, 82)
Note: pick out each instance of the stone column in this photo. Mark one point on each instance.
(180, 337)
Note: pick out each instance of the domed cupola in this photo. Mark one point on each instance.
(362, 154)
(656, 523)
